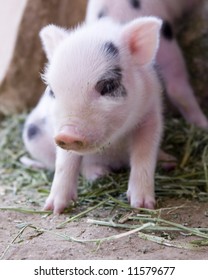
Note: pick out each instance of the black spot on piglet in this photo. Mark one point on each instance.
(135, 4)
(167, 30)
(111, 49)
(32, 131)
(101, 14)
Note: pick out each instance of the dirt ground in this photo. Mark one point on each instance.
(49, 245)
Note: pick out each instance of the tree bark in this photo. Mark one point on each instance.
(22, 86)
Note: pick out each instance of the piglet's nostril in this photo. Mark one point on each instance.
(79, 144)
(60, 143)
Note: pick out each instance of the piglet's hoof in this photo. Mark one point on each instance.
(57, 204)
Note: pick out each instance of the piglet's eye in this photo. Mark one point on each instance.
(51, 93)
(107, 88)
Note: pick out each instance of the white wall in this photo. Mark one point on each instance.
(10, 16)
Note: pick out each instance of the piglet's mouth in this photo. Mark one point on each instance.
(80, 147)
(76, 145)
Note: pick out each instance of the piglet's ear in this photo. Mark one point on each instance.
(51, 36)
(141, 36)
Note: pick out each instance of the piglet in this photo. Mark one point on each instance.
(169, 58)
(102, 107)
(37, 135)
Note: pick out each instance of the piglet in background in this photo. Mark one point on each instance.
(169, 57)
(102, 107)
(37, 135)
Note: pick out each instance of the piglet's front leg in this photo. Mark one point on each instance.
(64, 186)
(143, 158)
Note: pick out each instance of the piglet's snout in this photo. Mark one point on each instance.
(69, 138)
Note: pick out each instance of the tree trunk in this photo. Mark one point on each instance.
(22, 86)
